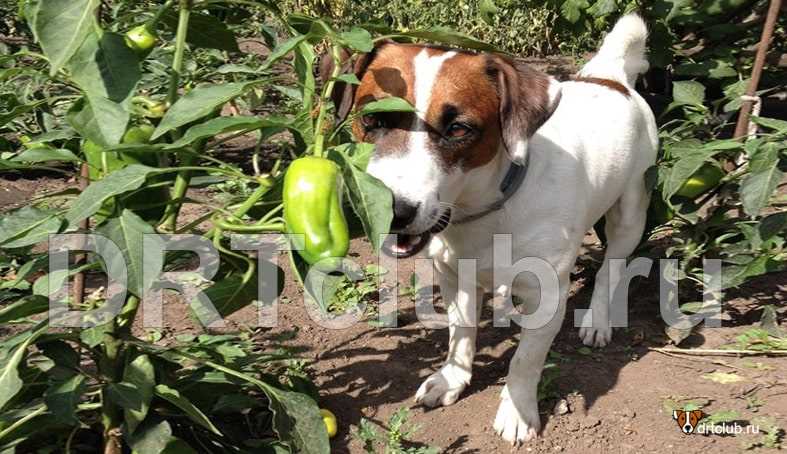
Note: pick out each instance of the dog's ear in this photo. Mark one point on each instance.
(527, 99)
(675, 415)
(343, 95)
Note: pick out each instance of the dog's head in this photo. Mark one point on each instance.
(687, 420)
(469, 108)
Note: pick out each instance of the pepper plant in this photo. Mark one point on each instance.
(135, 102)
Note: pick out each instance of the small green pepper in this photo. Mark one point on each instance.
(100, 161)
(149, 108)
(313, 207)
(707, 177)
(141, 39)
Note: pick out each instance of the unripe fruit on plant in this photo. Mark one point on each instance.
(706, 178)
(138, 134)
(141, 40)
(330, 422)
(312, 198)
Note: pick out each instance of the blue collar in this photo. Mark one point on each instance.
(512, 181)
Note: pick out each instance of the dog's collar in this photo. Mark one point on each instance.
(512, 181)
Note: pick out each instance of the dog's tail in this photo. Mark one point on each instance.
(622, 55)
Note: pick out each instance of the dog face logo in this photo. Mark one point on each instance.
(687, 420)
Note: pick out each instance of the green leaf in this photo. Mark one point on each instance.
(107, 70)
(96, 335)
(91, 199)
(205, 30)
(715, 69)
(603, 7)
(758, 186)
(358, 153)
(29, 224)
(688, 92)
(174, 397)
(487, 9)
(43, 154)
(10, 383)
(127, 232)
(7, 116)
(296, 416)
(221, 125)
(141, 374)
(357, 39)
(283, 49)
(198, 103)
(63, 397)
(571, 10)
(689, 163)
(24, 307)
(125, 395)
(771, 123)
(151, 437)
(773, 225)
(371, 200)
(735, 275)
(61, 26)
(231, 294)
(99, 119)
(392, 104)
(448, 36)
(348, 78)
(106, 67)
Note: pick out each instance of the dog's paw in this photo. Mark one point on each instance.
(516, 425)
(595, 337)
(443, 387)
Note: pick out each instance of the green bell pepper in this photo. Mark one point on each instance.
(141, 39)
(313, 207)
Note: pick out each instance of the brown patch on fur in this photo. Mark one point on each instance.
(391, 73)
(501, 101)
(611, 84)
(462, 86)
(524, 98)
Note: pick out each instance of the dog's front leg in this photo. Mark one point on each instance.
(444, 386)
(517, 419)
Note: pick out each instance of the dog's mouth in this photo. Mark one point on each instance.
(403, 245)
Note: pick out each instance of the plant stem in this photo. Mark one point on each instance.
(151, 24)
(110, 366)
(180, 47)
(170, 220)
(37, 412)
(319, 134)
(272, 227)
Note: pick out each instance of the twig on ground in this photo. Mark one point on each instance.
(717, 352)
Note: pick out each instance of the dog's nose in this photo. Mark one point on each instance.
(404, 212)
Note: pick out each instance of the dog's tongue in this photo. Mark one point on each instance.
(406, 245)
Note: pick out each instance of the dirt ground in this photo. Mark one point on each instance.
(615, 399)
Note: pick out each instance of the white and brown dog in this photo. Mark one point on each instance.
(578, 149)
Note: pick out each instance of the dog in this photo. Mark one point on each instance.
(497, 147)
(687, 419)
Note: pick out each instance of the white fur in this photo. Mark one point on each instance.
(622, 55)
(416, 183)
(587, 161)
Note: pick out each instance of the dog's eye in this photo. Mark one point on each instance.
(370, 122)
(457, 130)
